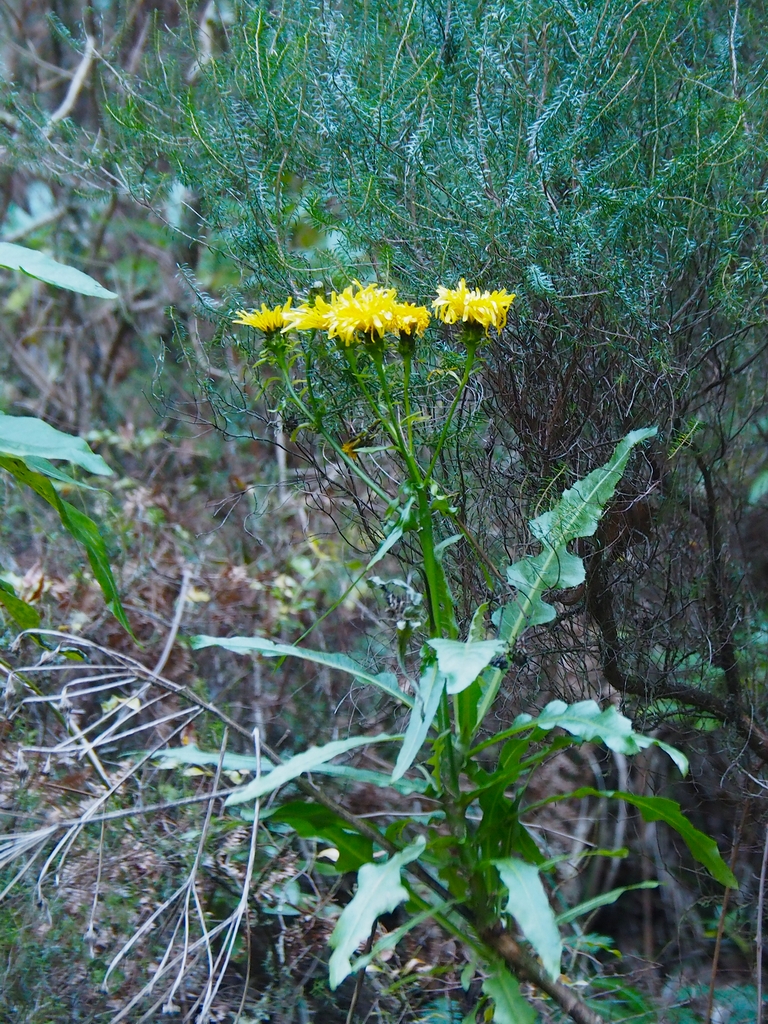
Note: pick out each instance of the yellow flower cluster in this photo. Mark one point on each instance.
(368, 312)
(471, 306)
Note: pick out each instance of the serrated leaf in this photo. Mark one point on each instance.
(44, 268)
(461, 663)
(386, 681)
(307, 761)
(379, 891)
(26, 436)
(428, 694)
(585, 720)
(509, 1006)
(529, 905)
(603, 900)
(575, 515)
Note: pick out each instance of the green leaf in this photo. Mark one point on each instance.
(603, 900)
(576, 514)
(313, 821)
(48, 469)
(190, 754)
(83, 529)
(307, 761)
(25, 436)
(386, 681)
(509, 1006)
(529, 905)
(43, 268)
(585, 720)
(391, 939)
(428, 694)
(659, 808)
(379, 891)
(23, 614)
(461, 663)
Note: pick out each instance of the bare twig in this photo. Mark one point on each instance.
(75, 86)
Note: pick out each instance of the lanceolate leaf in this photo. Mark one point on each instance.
(24, 615)
(379, 891)
(603, 900)
(585, 720)
(462, 663)
(25, 436)
(659, 808)
(269, 649)
(529, 905)
(190, 754)
(509, 1006)
(431, 686)
(43, 268)
(297, 765)
(77, 523)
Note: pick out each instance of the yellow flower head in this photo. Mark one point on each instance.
(470, 306)
(309, 318)
(370, 311)
(267, 320)
(412, 320)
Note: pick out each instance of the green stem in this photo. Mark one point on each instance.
(329, 439)
(471, 348)
(407, 399)
(414, 470)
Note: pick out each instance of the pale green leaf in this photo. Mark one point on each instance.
(509, 1005)
(391, 939)
(477, 625)
(25, 436)
(530, 907)
(190, 754)
(44, 268)
(379, 891)
(575, 515)
(307, 761)
(461, 663)
(386, 681)
(428, 694)
(585, 720)
(603, 900)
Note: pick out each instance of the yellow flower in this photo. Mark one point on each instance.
(412, 319)
(470, 306)
(370, 311)
(267, 320)
(308, 318)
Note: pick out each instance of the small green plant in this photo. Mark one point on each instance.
(473, 865)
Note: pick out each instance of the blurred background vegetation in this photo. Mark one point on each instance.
(608, 163)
